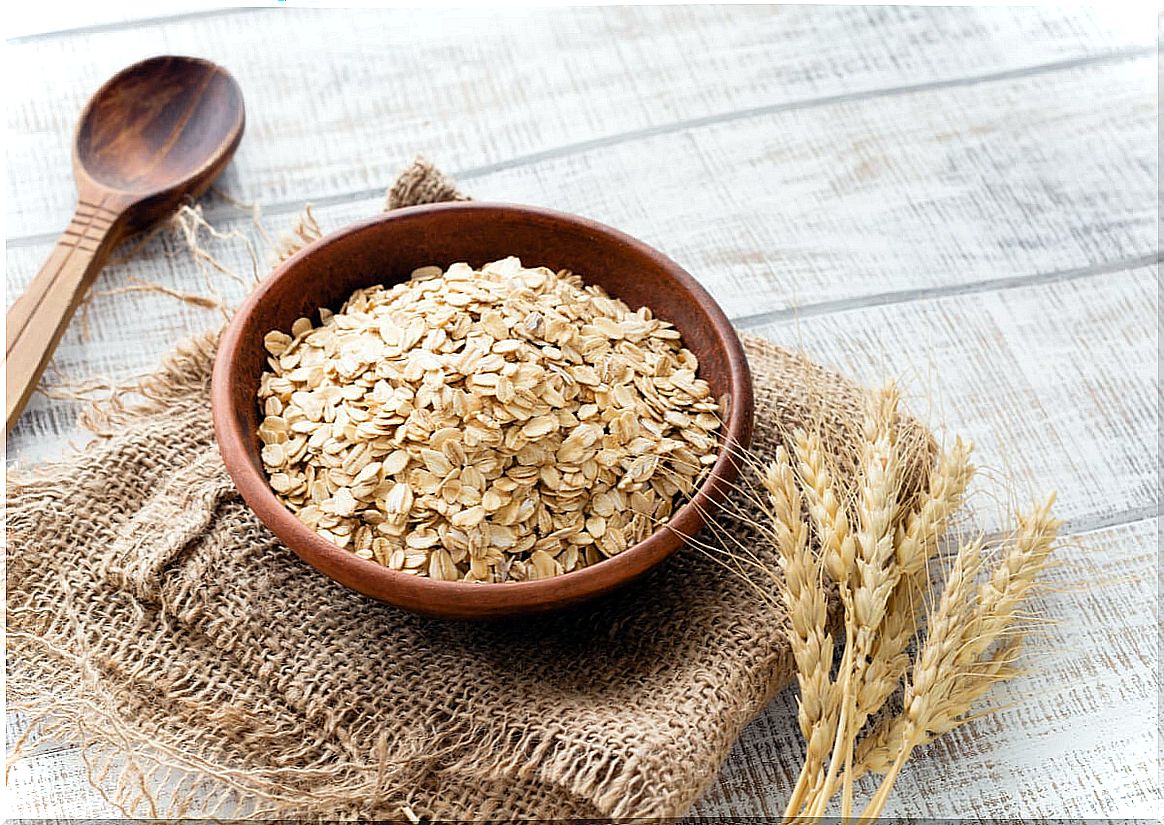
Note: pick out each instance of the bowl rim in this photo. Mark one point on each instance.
(470, 599)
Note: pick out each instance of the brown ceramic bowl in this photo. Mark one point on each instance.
(385, 250)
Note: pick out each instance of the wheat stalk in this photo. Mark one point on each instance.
(837, 554)
(876, 545)
(871, 579)
(916, 542)
(860, 562)
(954, 666)
(806, 602)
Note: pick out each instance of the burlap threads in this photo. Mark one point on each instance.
(204, 670)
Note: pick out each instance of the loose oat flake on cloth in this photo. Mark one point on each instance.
(205, 670)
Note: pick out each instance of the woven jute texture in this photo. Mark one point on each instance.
(205, 670)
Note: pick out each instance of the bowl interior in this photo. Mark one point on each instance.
(387, 249)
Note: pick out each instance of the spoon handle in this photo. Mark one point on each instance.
(37, 320)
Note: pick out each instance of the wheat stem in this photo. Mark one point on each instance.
(824, 789)
(954, 667)
(916, 542)
(805, 601)
(875, 573)
(877, 803)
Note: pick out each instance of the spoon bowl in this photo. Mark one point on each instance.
(156, 134)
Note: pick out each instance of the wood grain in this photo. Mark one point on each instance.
(155, 135)
(38, 318)
(856, 199)
(900, 197)
(343, 100)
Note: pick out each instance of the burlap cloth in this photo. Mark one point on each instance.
(204, 669)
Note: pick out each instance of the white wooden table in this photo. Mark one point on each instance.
(965, 199)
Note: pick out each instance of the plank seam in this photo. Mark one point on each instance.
(1121, 518)
(581, 147)
(716, 119)
(929, 293)
(1072, 528)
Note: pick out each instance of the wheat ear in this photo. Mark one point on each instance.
(804, 597)
(805, 600)
(875, 573)
(865, 571)
(880, 747)
(837, 551)
(953, 667)
(860, 561)
(837, 546)
(927, 690)
(999, 596)
(916, 542)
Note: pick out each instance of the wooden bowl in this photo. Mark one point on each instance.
(385, 250)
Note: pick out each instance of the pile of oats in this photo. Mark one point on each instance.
(490, 425)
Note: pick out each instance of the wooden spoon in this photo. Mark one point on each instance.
(155, 134)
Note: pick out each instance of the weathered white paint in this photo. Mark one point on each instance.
(963, 198)
(337, 101)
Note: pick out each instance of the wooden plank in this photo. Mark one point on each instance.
(1057, 384)
(343, 98)
(860, 198)
(1077, 737)
(40, 22)
(1039, 173)
(53, 786)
